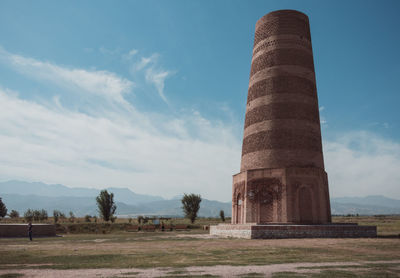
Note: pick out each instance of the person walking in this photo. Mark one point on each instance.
(30, 230)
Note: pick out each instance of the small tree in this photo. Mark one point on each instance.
(106, 205)
(14, 214)
(57, 215)
(28, 215)
(62, 216)
(43, 215)
(191, 205)
(87, 218)
(222, 215)
(36, 215)
(3, 209)
(71, 217)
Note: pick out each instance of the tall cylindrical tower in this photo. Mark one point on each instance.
(282, 178)
(282, 127)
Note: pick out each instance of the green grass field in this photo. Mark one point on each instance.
(178, 250)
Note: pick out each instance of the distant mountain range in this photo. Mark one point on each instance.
(58, 190)
(370, 205)
(21, 195)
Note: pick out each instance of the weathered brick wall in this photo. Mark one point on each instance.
(238, 231)
(293, 231)
(282, 129)
(282, 88)
(21, 230)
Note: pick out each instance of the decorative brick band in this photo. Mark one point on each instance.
(284, 56)
(275, 41)
(284, 70)
(280, 14)
(275, 158)
(293, 139)
(269, 99)
(281, 44)
(282, 84)
(282, 111)
(267, 27)
(276, 124)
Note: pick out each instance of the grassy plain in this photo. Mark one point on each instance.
(178, 250)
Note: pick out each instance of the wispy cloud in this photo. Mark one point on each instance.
(168, 157)
(146, 151)
(130, 54)
(102, 83)
(153, 72)
(157, 78)
(145, 61)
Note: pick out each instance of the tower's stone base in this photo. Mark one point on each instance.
(272, 231)
(297, 195)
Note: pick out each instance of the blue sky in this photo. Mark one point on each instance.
(151, 95)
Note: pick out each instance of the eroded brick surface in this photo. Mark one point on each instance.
(282, 177)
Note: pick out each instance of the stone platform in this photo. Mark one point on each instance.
(276, 231)
(21, 230)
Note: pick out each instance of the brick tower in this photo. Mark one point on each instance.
(282, 188)
(282, 177)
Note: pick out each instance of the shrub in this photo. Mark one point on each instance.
(14, 214)
(28, 215)
(87, 218)
(57, 215)
(222, 215)
(36, 215)
(71, 217)
(43, 215)
(3, 209)
(113, 218)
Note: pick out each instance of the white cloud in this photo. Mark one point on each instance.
(145, 61)
(102, 83)
(154, 73)
(363, 163)
(157, 78)
(164, 157)
(130, 54)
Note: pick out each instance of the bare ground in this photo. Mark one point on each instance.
(218, 270)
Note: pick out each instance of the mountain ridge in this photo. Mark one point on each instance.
(20, 195)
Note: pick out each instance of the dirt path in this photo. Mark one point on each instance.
(219, 270)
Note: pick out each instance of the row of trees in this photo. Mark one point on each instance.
(107, 207)
(105, 204)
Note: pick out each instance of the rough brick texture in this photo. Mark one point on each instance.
(282, 84)
(282, 177)
(250, 231)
